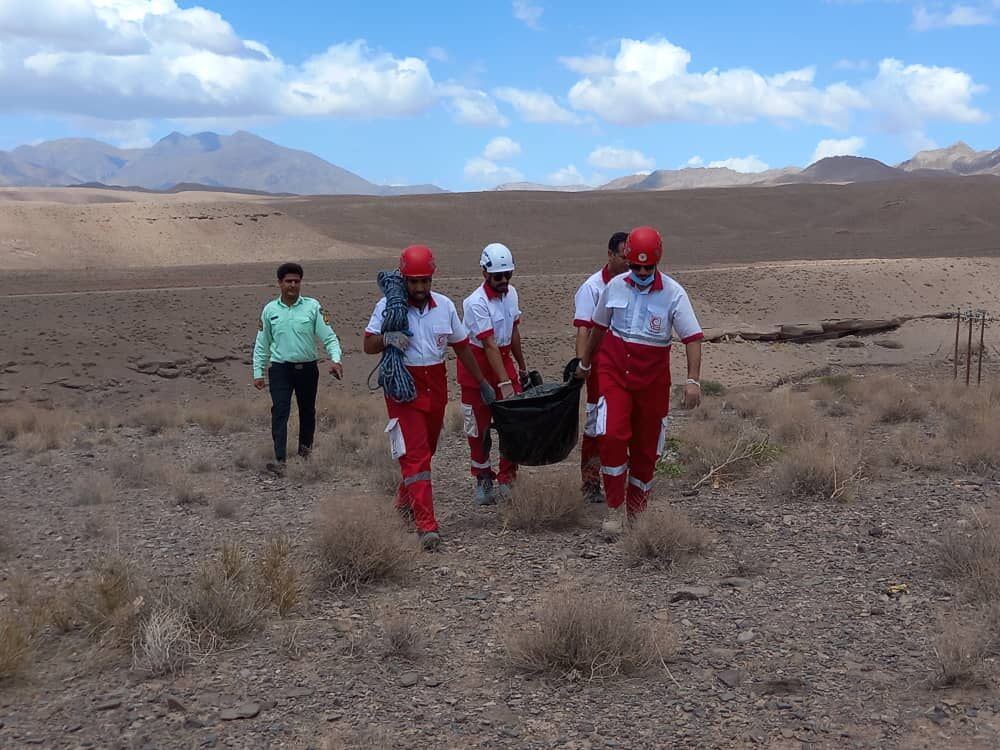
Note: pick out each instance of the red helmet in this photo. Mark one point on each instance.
(417, 261)
(644, 246)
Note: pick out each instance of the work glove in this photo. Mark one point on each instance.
(396, 339)
(487, 392)
(506, 389)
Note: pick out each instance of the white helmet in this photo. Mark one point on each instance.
(496, 258)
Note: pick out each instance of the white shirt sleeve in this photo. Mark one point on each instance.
(459, 332)
(602, 313)
(375, 322)
(478, 319)
(685, 322)
(585, 302)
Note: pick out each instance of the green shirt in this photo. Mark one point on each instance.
(288, 334)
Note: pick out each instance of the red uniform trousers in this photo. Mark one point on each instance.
(590, 447)
(419, 423)
(635, 429)
(477, 417)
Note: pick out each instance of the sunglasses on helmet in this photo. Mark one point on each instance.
(637, 267)
(502, 275)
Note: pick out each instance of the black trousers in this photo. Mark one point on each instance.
(285, 378)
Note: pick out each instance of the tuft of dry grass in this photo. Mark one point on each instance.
(403, 636)
(960, 651)
(537, 505)
(972, 556)
(111, 604)
(912, 448)
(32, 429)
(821, 469)
(791, 417)
(156, 418)
(977, 447)
(222, 603)
(665, 537)
(94, 489)
(224, 507)
(164, 644)
(359, 739)
(725, 448)
(140, 469)
(15, 646)
(897, 402)
(187, 491)
(278, 575)
(202, 466)
(253, 455)
(359, 541)
(590, 635)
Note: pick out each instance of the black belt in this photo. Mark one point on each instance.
(293, 365)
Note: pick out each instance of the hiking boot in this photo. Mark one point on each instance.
(592, 493)
(276, 467)
(614, 522)
(429, 540)
(501, 492)
(305, 451)
(484, 492)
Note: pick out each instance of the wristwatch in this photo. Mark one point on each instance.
(692, 381)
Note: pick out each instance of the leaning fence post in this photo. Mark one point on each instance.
(958, 328)
(982, 336)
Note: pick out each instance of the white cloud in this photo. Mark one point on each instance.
(925, 19)
(610, 157)
(741, 164)
(695, 161)
(472, 107)
(483, 172)
(438, 53)
(856, 65)
(568, 175)
(528, 13)
(501, 149)
(650, 81)
(837, 147)
(536, 106)
(129, 59)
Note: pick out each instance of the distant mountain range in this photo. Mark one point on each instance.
(958, 159)
(242, 160)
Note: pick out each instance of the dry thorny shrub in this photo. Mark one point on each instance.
(164, 644)
(94, 489)
(725, 447)
(140, 469)
(278, 575)
(112, 603)
(403, 635)
(827, 468)
(593, 635)
(535, 505)
(359, 541)
(359, 739)
(15, 646)
(665, 537)
(973, 556)
(156, 418)
(960, 650)
(32, 429)
(894, 401)
(223, 603)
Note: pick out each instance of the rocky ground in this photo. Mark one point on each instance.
(806, 623)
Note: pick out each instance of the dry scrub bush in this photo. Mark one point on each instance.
(111, 604)
(94, 489)
(359, 739)
(202, 465)
(187, 491)
(156, 418)
(894, 401)
(222, 417)
(665, 537)
(535, 505)
(360, 541)
(912, 448)
(140, 469)
(252, 455)
(822, 469)
(403, 636)
(973, 556)
(977, 448)
(726, 448)
(222, 603)
(164, 644)
(15, 646)
(224, 507)
(278, 576)
(588, 635)
(790, 417)
(960, 651)
(32, 429)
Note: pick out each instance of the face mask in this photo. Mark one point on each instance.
(639, 281)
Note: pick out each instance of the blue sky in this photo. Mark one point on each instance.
(540, 90)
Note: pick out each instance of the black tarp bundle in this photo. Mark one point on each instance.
(540, 426)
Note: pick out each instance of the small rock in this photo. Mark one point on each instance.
(888, 343)
(297, 692)
(849, 344)
(174, 703)
(432, 681)
(242, 711)
(191, 722)
(729, 677)
(737, 583)
(409, 679)
(108, 705)
(690, 593)
(168, 372)
(216, 357)
(478, 596)
(746, 636)
(727, 696)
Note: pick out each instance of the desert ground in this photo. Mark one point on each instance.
(820, 567)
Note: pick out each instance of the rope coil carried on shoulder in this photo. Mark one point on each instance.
(393, 377)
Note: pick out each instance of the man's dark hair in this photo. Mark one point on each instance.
(616, 239)
(286, 268)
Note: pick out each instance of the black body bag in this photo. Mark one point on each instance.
(540, 426)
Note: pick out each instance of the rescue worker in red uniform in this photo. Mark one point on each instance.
(415, 426)
(585, 302)
(492, 315)
(633, 323)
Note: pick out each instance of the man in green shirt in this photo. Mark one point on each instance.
(286, 338)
